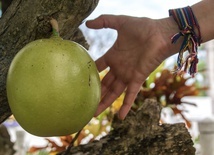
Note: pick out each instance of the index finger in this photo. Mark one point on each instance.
(104, 21)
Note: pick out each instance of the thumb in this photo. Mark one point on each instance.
(104, 21)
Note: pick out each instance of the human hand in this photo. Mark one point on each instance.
(141, 46)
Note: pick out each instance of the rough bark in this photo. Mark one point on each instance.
(5, 4)
(141, 134)
(27, 20)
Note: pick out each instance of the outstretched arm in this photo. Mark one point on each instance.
(141, 46)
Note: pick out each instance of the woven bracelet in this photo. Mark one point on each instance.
(187, 24)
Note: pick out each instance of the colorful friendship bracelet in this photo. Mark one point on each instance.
(186, 21)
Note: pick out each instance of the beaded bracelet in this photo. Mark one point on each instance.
(187, 22)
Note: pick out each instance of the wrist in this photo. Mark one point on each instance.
(169, 27)
(187, 23)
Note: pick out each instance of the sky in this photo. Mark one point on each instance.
(148, 8)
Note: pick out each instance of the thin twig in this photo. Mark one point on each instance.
(67, 151)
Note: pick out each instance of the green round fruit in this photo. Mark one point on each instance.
(53, 87)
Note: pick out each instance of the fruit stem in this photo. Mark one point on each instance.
(55, 27)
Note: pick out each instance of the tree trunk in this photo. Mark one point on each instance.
(27, 20)
(141, 134)
(5, 4)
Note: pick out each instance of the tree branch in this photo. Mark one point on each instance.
(141, 134)
(5, 4)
